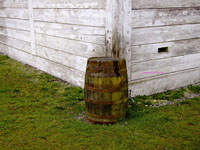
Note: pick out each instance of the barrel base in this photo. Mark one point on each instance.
(99, 122)
(103, 121)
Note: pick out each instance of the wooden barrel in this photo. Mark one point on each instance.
(106, 90)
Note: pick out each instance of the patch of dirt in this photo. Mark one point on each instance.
(159, 103)
(81, 116)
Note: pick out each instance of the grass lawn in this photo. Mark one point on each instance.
(39, 112)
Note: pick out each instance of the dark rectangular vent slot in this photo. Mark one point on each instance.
(163, 50)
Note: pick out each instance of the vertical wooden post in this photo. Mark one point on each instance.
(118, 29)
(112, 28)
(30, 8)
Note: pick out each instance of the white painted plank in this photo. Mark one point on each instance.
(18, 44)
(165, 82)
(139, 4)
(163, 17)
(70, 75)
(89, 17)
(100, 4)
(17, 54)
(167, 65)
(16, 13)
(89, 34)
(70, 46)
(165, 34)
(17, 34)
(1, 4)
(150, 51)
(14, 23)
(2, 49)
(14, 4)
(71, 29)
(72, 61)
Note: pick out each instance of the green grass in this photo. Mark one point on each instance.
(194, 88)
(38, 112)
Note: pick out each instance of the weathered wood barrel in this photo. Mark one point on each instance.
(106, 90)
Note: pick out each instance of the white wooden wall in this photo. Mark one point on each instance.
(164, 23)
(56, 36)
(14, 25)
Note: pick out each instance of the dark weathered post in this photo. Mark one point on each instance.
(106, 90)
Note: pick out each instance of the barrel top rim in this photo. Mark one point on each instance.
(105, 59)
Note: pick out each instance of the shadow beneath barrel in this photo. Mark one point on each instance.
(137, 112)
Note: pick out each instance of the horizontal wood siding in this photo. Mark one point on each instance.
(152, 35)
(174, 25)
(63, 72)
(142, 53)
(165, 65)
(15, 43)
(70, 46)
(163, 17)
(141, 4)
(69, 32)
(56, 36)
(66, 59)
(14, 13)
(13, 4)
(85, 17)
(165, 82)
(87, 34)
(87, 4)
(14, 24)
(15, 33)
